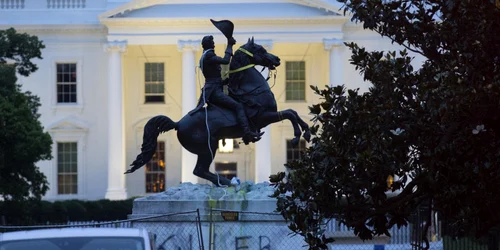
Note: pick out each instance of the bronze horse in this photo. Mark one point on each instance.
(248, 86)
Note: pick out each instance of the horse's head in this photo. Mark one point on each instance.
(259, 55)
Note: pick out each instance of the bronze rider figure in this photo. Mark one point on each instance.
(213, 92)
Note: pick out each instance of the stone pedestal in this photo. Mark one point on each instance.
(189, 197)
(229, 219)
(255, 226)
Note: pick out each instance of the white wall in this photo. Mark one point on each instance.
(93, 64)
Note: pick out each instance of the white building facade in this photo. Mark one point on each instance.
(111, 65)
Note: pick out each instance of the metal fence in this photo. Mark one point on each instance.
(174, 231)
(221, 229)
(250, 230)
(403, 238)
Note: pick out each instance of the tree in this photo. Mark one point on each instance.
(22, 139)
(435, 128)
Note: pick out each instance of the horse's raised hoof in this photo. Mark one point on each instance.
(295, 141)
(252, 137)
(307, 135)
(246, 140)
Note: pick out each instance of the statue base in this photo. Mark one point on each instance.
(229, 219)
(190, 197)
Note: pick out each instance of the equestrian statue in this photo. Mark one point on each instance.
(248, 107)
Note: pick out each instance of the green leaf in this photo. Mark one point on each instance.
(315, 109)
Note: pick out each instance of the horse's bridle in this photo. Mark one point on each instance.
(244, 67)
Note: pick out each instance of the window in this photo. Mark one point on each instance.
(67, 168)
(66, 82)
(293, 153)
(227, 169)
(67, 77)
(295, 82)
(154, 74)
(155, 170)
(231, 144)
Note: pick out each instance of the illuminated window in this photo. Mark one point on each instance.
(155, 170)
(228, 147)
(67, 168)
(390, 181)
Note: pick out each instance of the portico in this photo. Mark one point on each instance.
(159, 33)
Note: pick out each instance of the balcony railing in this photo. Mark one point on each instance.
(54, 5)
(66, 4)
(11, 4)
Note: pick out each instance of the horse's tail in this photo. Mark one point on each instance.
(155, 126)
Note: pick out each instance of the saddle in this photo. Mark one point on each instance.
(220, 117)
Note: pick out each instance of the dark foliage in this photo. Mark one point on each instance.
(35, 212)
(22, 139)
(435, 128)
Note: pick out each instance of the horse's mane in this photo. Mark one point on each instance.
(239, 60)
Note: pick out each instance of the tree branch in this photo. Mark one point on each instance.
(408, 47)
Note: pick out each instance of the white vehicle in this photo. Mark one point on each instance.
(78, 239)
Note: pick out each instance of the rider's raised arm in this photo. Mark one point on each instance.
(225, 60)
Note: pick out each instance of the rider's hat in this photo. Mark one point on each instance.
(225, 26)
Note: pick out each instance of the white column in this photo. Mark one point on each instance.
(263, 147)
(334, 46)
(116, 132)
(189, 99)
